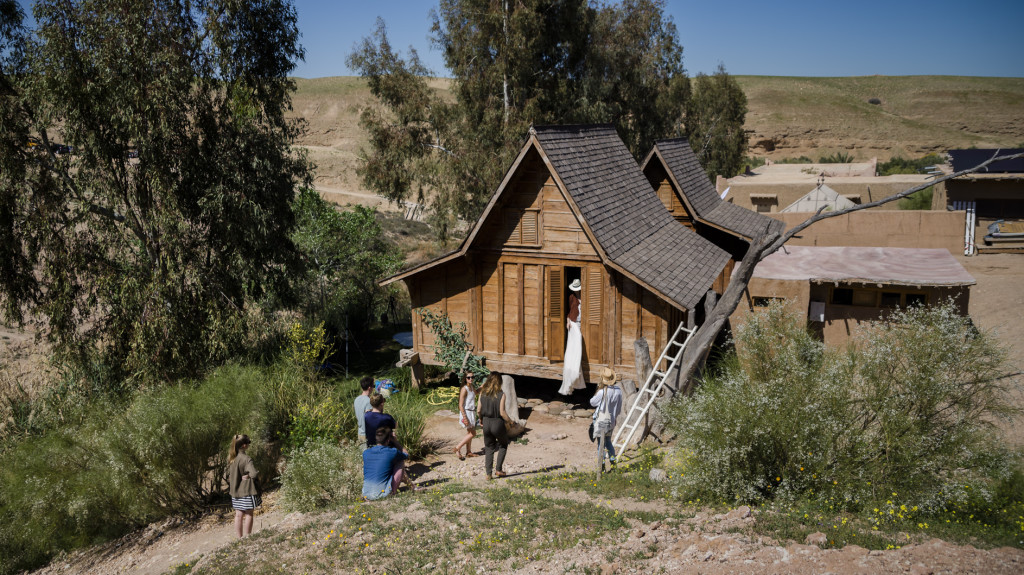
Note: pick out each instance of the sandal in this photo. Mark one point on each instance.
(472, 454)
(459, 454)
(500, 474)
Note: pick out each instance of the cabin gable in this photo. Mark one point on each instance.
(533, 216)
(668, 194)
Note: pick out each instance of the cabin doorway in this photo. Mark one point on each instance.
(571, 275)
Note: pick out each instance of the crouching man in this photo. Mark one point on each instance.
(383, 471)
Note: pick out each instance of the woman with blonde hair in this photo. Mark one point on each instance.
(242, 484)
(493, 416)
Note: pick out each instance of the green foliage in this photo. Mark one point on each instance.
(410, 409)
(836, 158)
(322, 474)
(799, 160)
(900, 165)
(346, 253)
(753, 162)
(715, 113)
(918, 200)
(513, 65)
(307, 349)
(119, 466)
(907, 410)
(451, 345)
(144, 265)
(330, 419)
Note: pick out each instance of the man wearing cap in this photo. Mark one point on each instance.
(572, 376)
(607, 399)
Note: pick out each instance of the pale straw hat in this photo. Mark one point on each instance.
(607, 377)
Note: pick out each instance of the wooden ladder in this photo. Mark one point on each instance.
(652, 387)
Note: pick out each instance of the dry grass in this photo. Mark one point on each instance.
(917, 114)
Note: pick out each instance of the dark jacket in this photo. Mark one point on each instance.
(236, 469)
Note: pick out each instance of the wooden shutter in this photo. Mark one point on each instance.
(514, 228)
(528, 227)
(554, 294)
(592, 332)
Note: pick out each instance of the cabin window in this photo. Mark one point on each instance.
(842, 296)
(890, 299)
(865, 298)
(525, 226)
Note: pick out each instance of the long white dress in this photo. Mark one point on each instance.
(572, 377)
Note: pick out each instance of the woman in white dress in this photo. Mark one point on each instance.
(572, 377)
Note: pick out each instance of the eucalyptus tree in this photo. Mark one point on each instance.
(512, 64)
(715, 114)
(147, 176)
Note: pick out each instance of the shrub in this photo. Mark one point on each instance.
(308, 349)
(909, 409)
(126, 464)
(799, 160)
(169, 447)
(836, 158)
(331, 418)
(900, 165)
(451, 344)
(322, 474)
(918, 200)
(410, 409)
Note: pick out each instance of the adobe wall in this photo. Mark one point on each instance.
(789, 190)
(888, 228)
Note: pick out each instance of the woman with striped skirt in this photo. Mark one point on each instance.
(242, 484)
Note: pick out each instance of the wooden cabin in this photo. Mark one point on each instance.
(573, 205)
(684, 189)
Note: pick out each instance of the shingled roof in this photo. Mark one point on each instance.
(625, 216)
(700, 196)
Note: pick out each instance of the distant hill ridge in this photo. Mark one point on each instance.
(788, 117)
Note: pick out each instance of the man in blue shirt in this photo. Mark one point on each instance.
(383, 471)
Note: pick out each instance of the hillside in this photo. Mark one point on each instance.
(788, 117)
(917, 114)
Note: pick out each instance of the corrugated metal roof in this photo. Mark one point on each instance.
(892, 266)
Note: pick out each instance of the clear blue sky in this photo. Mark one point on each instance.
(782, 38)
(787, 38)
